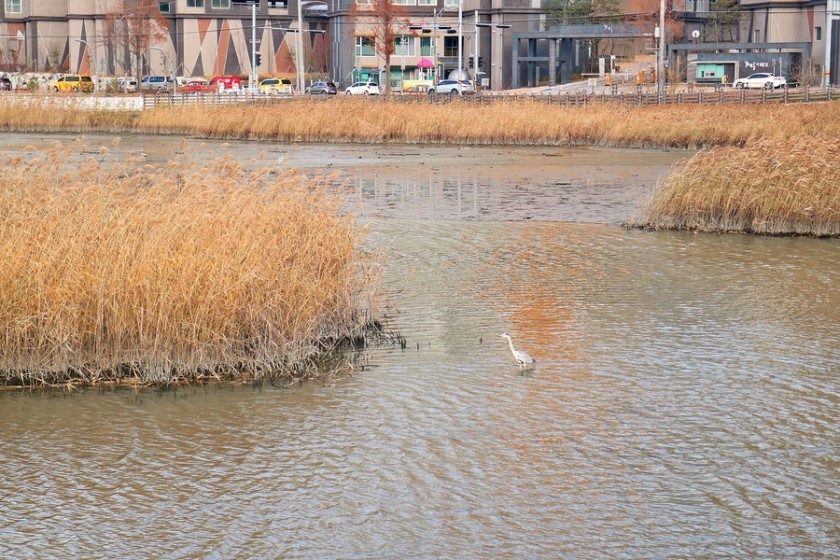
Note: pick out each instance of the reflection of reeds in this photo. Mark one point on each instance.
(184, 271)
(519, 121)
(771, 186)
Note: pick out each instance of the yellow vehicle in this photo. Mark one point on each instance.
(73, 83)
(276, 86)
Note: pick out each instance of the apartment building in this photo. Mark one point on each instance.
(206, 37)
(183, 37)
(337, 39)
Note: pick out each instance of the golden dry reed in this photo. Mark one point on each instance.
(172, 273)
(772, 186)
(513, 121)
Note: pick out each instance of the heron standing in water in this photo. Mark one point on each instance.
(522, 357)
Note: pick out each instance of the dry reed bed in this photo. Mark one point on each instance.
(165, 274)
(771, 187)
(515, 121)
(522, 122)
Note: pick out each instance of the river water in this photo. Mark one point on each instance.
(685, 402)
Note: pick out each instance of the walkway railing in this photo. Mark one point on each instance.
(697, 96)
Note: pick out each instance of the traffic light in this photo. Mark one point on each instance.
(471, 61)
(257, 59)
(481, 62)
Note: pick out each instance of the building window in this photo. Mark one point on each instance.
(818, 33)
(13, 7)
(220, 3)
(195, 3)
(406, 2)
(365, 46)
(404, 46)
(278, 3)
(164, 7)
(427, 2)
(426, 46)
(450, 46)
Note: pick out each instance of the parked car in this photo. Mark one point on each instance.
(195, 86)
(222, 83)
(452, 87)
(71, 82)
(363, 88)
(276, 86)
(156, 83)
(322, 88)
(127, 85)
(5, 84)
(761, 80)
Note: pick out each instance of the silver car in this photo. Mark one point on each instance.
(452, 88)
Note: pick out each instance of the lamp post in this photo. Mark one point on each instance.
(165, 60)
(460, 38)
(478, 26)
(660, 70)
(299, 57)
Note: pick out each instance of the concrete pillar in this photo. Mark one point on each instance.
(552, 62)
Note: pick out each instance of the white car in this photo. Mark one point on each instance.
(363, 88)
(127, 85)
(762, 80)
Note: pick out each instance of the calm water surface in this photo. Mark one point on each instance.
(684, 403)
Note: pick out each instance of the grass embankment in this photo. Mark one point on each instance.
(514, 121)
(167, 274)
(769, 187)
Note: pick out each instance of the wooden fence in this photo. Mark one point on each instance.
(626, 96)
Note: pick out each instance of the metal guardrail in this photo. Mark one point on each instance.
(697, 96)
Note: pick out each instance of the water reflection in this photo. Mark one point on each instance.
(685, 403)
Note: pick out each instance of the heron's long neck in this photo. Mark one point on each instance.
(512, 349)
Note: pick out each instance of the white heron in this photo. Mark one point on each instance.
(522, 357)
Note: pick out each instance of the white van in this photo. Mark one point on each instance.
(157, 83)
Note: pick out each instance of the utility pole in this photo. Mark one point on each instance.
(299, 54)
(660, 70)
(461, 38)
(254, 78)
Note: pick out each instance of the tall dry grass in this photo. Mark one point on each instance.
(176, 272)
(772, 186)
(518, 122)
(515, 121)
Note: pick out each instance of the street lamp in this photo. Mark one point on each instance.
(660, 71)
(165, 60)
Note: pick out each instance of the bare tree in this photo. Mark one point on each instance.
(132, 30)
(386, 20)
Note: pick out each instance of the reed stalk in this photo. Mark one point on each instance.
(163, 274)
(771, 187)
